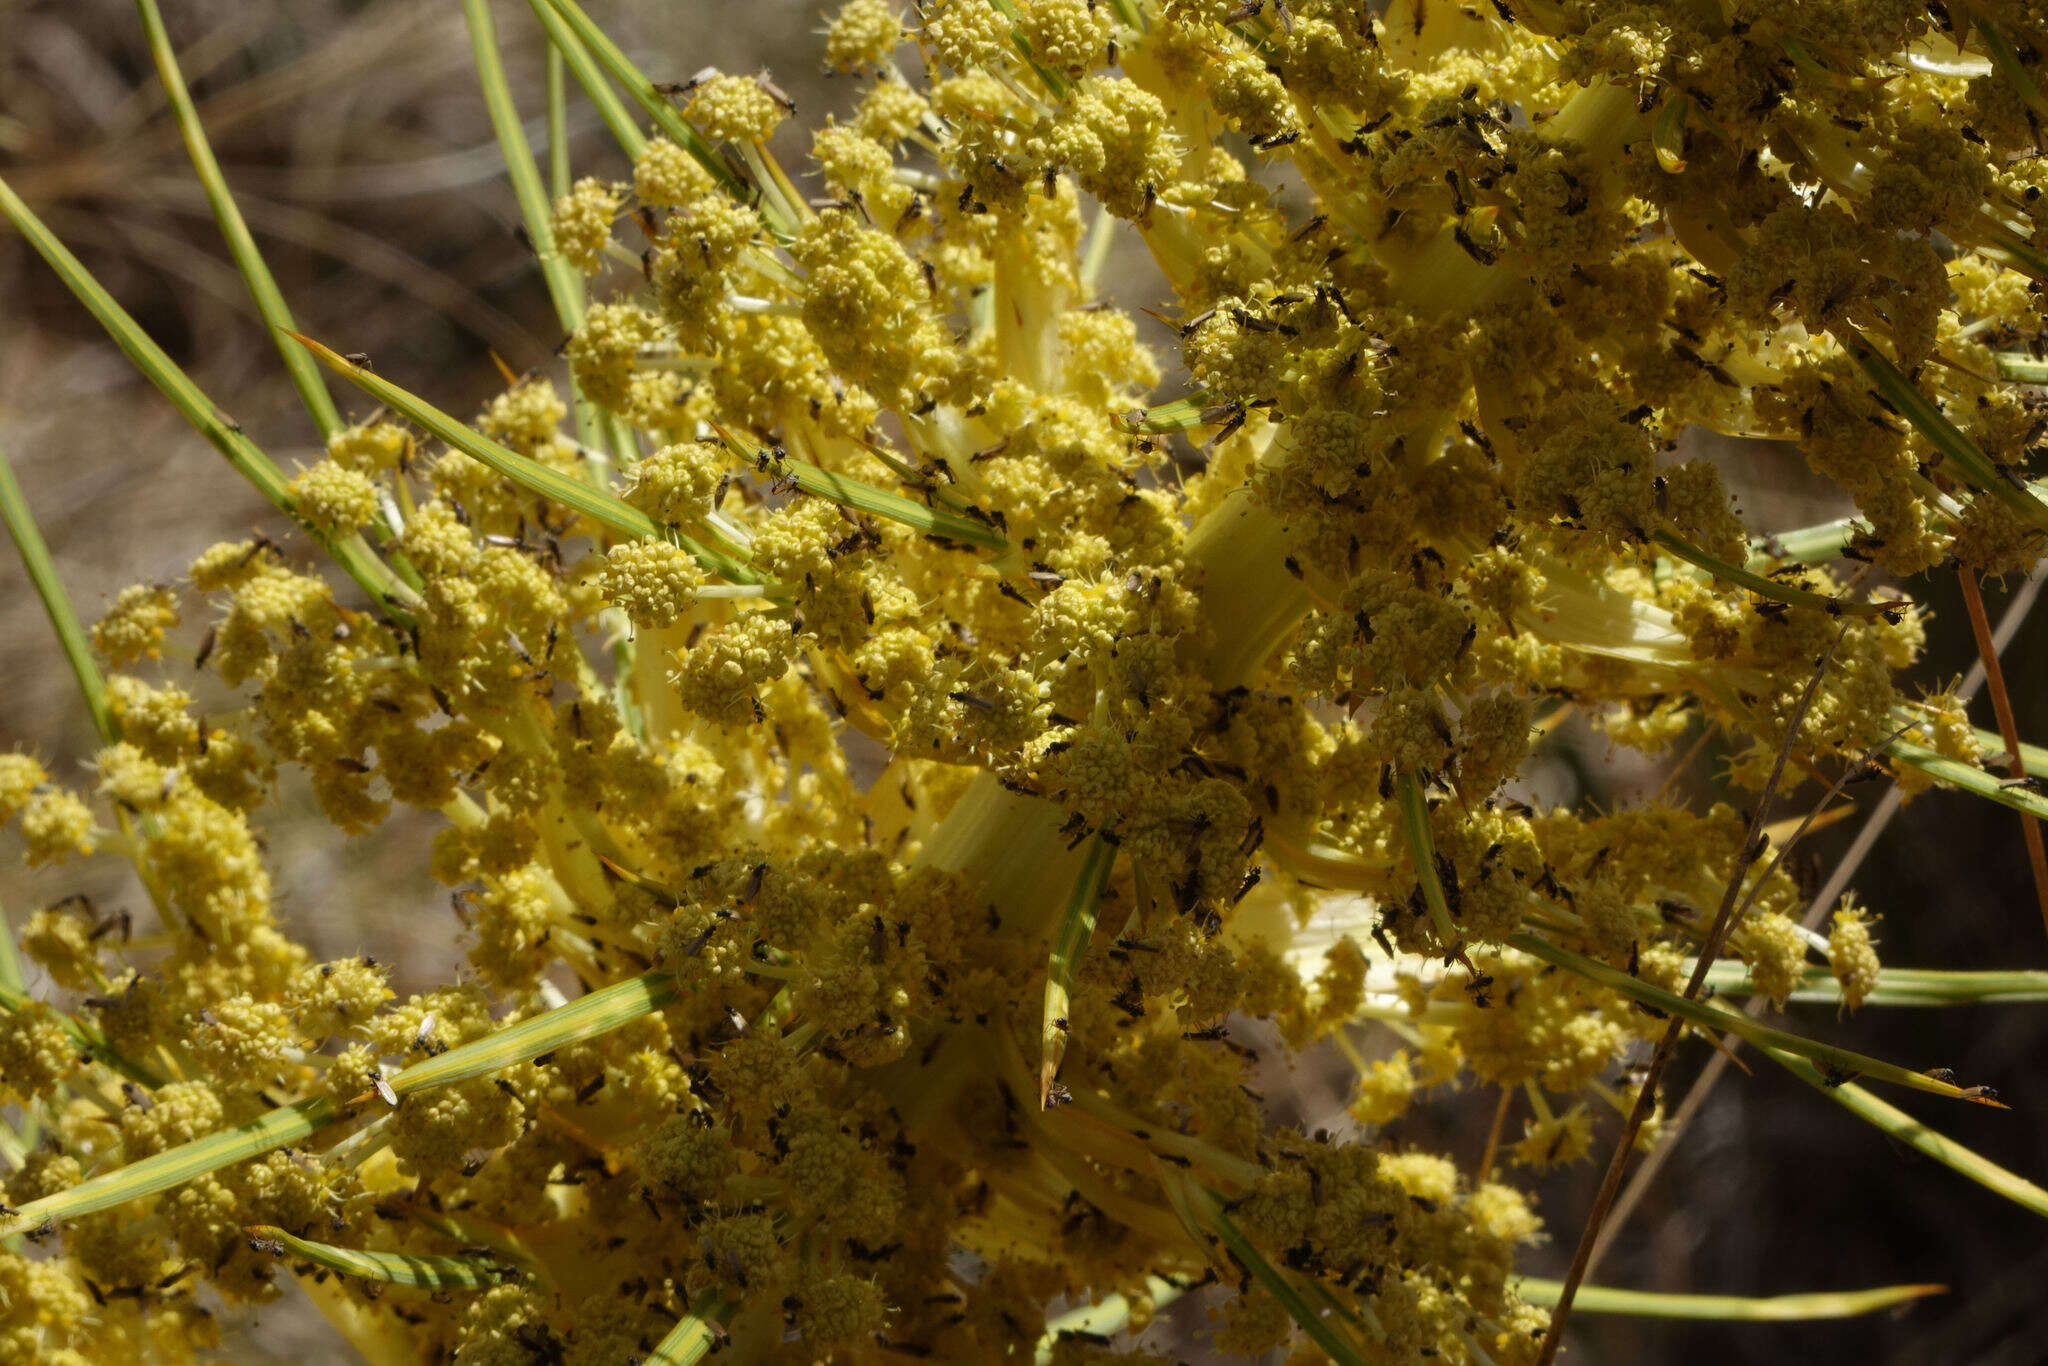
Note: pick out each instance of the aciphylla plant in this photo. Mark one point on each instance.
(900, 724)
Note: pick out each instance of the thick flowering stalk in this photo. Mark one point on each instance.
(924, 731)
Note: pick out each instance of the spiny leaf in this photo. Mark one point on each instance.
(695, 1335)
(1769, 588)
(1821, 1304)
(459, 1272)
(249, 261)
(1076, 927)
(1910, 1131)
(581, 1019)
(1841, 1061)
(42, 576)
(1905, 398)
(352, 552)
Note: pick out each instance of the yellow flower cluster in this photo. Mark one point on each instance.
(964, 749)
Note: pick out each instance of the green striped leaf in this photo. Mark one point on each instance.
(2020, 367)
(1810, 544)
(288, 1124)
(249, 261)
(1899, 1125)
(42, 577)
(865, 497)
(1176, 416)
(1927, 418)
(1769, 588)
(584, 1018)
(665, 116)
(1205, 1208)
(1422, 848)
(1650, 1304)
(2035, 756)
(459, 1272)
(1968, 777)
(2006, 60)
(1667, 135)
(695, 1335)
(88, 1039)
(600, 505)
(1899, 986)
(595, 87)
(1077, 927)
(1106, 1316)
(565, 286)
(1841, 1061)
(352, 552)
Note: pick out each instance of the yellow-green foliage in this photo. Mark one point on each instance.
(912, 509)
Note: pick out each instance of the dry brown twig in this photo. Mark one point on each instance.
(1823, 903)
(1646, 1098)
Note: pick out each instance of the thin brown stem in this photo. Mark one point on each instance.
(1646, 1099)
(1500, 1119)
(1823, 903)
(1678, 769)
(2008, 727)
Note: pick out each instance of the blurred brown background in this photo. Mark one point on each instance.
(355, 138)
